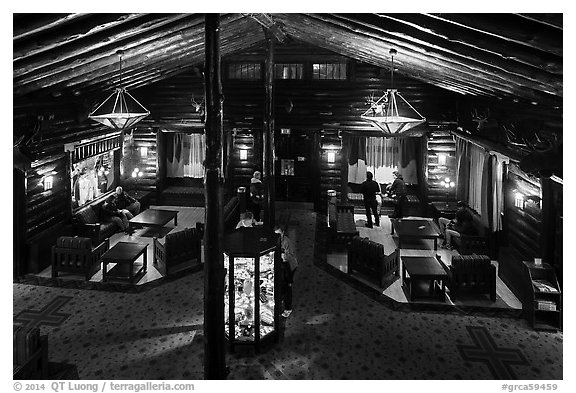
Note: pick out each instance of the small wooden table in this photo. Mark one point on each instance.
(155, 218)
(415, 229)
(423, 269)
(124, 255)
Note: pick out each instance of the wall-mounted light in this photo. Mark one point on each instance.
(447, 183)
(144, 151)
(519, 200)
(243, 154)
(442, 159)
(48, 182)
(331, 156)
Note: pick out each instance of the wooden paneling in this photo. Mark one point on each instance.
(132, 158)
(440, 143)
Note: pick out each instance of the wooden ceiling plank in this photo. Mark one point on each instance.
(84, 52)
(38, 23)
(107, 62)
(533, 35)
(531, 77)
(552, 20)
(310, 28)
(82, 35)
(479, 49)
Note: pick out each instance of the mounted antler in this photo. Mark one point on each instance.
(545, 157)
(480, 118)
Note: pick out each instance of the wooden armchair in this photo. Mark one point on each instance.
(76, 255)
(377, 261)
(178, 251)
(30, 353)
(472, 274)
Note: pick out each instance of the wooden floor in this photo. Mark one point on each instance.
(382, 234)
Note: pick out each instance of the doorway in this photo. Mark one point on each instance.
(294, 166)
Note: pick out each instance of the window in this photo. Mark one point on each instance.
(246, 71)
(289, 71)
(332, 71)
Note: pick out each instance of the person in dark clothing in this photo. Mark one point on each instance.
(462, 225)
(369, 189)
(289, 266)
(130, 206)
(112, 213)
(397, 190)
(443, 222)
(256, 195)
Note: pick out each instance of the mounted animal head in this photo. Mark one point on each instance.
(544, 158)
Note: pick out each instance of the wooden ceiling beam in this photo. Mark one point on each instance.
(86, 52)
(474, 60)
(466, 44)
(510, 28)
(437, 69)
(105, 63)
(27, 25)
(87, 36)
(551, 20)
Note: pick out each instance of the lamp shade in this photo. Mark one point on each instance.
(384, 114)
(119, 110)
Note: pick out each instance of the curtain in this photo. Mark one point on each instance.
(497, 160)
(477, 158)
(357, 160)
(185, 155)
(385, 155)
(462, 170)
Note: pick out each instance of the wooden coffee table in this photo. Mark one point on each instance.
(423, 269)
(415, 229)
(154, 218)
(124, 255)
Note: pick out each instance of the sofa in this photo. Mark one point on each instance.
(377, 261)
(473, 244)
(471, 274)
(77, 255)
(178, 251)
(88, 222)
(30, 353)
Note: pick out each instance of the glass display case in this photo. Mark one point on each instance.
(251, 311)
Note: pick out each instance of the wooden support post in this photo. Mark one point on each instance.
(268, 131)
(214, 353)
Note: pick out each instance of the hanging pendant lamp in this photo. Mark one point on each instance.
(120, 110)
(384, 112)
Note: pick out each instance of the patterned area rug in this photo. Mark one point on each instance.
(335, 332)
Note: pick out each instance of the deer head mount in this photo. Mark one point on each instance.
(544, 158)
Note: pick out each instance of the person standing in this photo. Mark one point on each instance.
(397, 191)
(369, 190)
(289, 265)
(256, 195)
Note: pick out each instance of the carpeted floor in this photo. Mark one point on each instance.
(335, 332)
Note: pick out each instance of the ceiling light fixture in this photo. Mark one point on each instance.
(120, 110)
(384, 112)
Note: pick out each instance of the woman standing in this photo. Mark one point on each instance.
(288, 268)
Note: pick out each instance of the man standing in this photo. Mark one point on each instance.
(397, 190)
(369, 190)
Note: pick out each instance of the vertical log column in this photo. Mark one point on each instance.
(268, 156)
(214, 354)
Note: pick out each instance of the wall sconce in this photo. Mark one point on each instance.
(243, 154)
(331, 156)
(447, 183)
(144, 151)
(48, 182)
(442, 159)
(519, 200)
